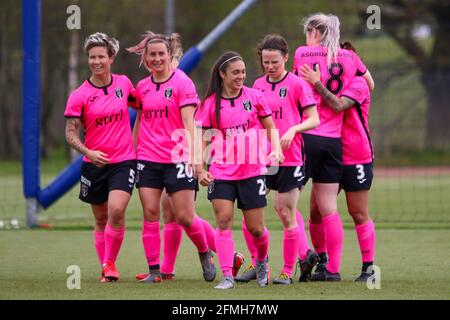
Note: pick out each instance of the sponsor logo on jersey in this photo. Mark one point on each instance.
(211, 187)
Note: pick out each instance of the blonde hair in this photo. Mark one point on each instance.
(328, 26)
(99, 39)
(172, 42)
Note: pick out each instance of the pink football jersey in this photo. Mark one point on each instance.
(238, 147)
(336, 77)
(287, 98)
(104, 114)
(161, 134)
(356, 143)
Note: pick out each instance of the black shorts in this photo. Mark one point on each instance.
(357, 177)
(323, 158)
(286, 179)
(250, 193)
(96, 183)
(173, 177)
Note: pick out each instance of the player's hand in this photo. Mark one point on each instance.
(276, 157)
(98, 158)
(197, 169)
(287, 138)
(310, 75)
(205, 178)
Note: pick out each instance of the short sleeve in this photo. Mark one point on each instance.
(187, 93)
(361, 68)
(74, 106)
(357, 90)
(133, 101)
(305, 94)
(296, 64)
(262, 105)
(202, 115)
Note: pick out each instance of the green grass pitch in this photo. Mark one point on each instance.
(414, 265)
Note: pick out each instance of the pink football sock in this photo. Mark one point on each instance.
(225, 251)
(197, 235)
(303, 245)
(173, 235)
(210, 234)
(262, 245)
(366, 239)
(290, 249)
(318, 238)
(113, 242)
(99, 242)
(151, 240)
(334, 233)
(249, 241)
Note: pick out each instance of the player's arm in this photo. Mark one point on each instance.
(187, 115)
(98, 158)
(369, 80)
(274, 138)
(136, 127)
(312, 121)
(313, 77)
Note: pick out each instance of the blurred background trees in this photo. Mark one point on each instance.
(409, 58)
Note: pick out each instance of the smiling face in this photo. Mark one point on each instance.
(158, 57)
(99, 61)
(233, 75)
(273, 63)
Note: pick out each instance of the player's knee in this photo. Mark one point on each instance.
(359, 216)
(285, 214)
(185, 221)
(116, 215)
(100, 223)
(257, 231)
(224, 222)
(315, 217)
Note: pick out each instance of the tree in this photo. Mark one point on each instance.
(398, 19)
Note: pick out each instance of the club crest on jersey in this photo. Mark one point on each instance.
(283, 92)
(119, 93)
(211, 187)
(247, 105)
(168, 93)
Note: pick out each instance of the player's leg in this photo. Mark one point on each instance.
(254, 220)
(100, 212)
(326, 199)
(223, 210)
(357, 203)
(172, 235)
(151, 237)
(285, 206)
(114, 231)
(183, 204)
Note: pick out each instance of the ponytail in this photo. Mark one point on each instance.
(328, 26)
